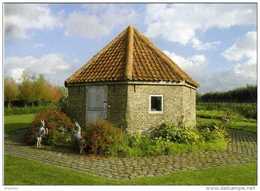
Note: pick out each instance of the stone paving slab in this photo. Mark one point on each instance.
(241, 149)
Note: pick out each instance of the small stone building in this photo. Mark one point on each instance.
(132, 84)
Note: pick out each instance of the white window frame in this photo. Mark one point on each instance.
(150, 105)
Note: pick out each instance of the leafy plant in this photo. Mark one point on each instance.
(172, 133)
(58, 123)
(102, 135)
(212, 131)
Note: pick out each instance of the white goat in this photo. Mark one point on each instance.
(78, 137)
(42, 131)
(78, 133)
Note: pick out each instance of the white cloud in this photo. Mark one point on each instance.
(93, 22)
(199, 45)
(243, 53)
(182, 22)
(244, 47)
(243, 66)
(194, 65)
(225, 80)
(53, 66)
(21, 18)
(16, 74)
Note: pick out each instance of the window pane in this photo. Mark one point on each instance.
(156, 103)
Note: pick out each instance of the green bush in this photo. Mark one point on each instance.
(172, 133)
(169, 140)
(212, 131)
(102, 135)
(59, 126)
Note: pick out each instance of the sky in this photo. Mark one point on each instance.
(214, 43)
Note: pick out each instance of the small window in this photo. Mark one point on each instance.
(156, 104)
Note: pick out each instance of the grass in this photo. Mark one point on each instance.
(248, 110)
(238, 121)
(48, 174)
(17, 122)
(34, 172)
(26, 110)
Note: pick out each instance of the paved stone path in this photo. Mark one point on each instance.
(241, 149)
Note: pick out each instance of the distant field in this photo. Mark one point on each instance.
(248, 110)
(243, 115)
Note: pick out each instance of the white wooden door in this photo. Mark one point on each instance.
(96, 103)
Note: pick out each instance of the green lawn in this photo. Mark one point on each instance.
(15, 122)
(20, 171)
(34, 172)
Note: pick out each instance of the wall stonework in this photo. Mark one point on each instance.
(77, 103)
(189, 106)
(117, 97)
(128, 105)
(178, 101)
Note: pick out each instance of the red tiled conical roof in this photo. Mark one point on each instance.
(130, 57)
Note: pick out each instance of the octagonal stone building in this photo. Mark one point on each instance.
(132, 84)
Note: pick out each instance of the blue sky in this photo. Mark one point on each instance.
(214, 43)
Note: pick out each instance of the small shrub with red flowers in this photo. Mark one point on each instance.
(59, 126)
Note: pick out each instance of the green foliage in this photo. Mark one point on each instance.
(170, 132)
(170, 140)
(59, 126)
(208, 113)
(212, 132)
(244, 94)
(248, 110)
(101, 135)
(11, 90)
(32, 89)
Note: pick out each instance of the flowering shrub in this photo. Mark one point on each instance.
(101, 135)
(58, 123)
(167, 139)
(172, 133)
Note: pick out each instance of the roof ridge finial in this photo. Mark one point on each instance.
(129, 57)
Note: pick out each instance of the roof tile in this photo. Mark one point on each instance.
(130, 57)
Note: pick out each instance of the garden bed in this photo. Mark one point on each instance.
(104, 139)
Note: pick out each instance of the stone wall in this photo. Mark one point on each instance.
(178, 101)
(128, 105)
(117, 96)
(189, 106)
(77, 103)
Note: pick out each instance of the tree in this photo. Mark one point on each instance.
(27, 88)
(11, 90)
(33, 88)
(44, 91)
(41, 89)
(55, 93)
